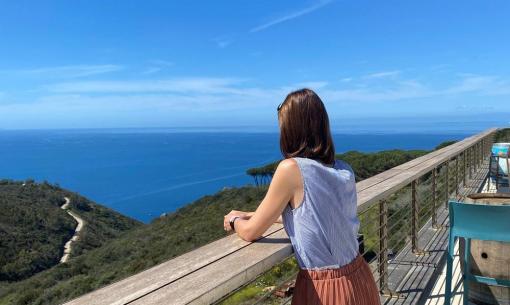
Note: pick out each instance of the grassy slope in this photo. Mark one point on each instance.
(102, 223)
(502, 135)
(190, 227)
(34, 229)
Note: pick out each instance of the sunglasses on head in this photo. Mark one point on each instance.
(279, 107)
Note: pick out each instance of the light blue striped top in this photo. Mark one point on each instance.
(323, 229)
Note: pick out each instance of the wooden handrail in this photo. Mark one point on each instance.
(206, 274)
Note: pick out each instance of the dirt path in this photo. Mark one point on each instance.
(79, 227)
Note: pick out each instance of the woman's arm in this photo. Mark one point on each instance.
(278, 220)
(281, 190)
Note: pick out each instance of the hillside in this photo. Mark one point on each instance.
(145, 246)
(190, 227)
(34, 229)
(502, 135)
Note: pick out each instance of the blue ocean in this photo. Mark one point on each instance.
(143, 173)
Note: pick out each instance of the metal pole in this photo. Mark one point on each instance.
(434, 198)
(473, 159)
(447, 185)
(471, 169)
(480, 156)
(415, 220)
(457, 175)
(464, 170)
(383, 247)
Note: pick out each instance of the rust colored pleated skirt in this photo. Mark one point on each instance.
(352, 284)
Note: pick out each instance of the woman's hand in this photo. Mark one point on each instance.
(226, 219)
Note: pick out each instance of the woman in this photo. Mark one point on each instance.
(314, 196)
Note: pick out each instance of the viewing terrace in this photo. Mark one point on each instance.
(404, 227)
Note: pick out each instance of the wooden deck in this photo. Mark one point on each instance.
(417, 279)
(209, 272)
(436, 295)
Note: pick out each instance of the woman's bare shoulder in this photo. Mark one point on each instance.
(288, 166)
(288, 169)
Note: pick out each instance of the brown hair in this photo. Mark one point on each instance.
(304, 127)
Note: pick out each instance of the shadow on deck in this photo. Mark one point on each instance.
(419, 279)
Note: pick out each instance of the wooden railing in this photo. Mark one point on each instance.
(208, 273)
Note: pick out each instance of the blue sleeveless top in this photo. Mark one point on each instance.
(323, 230)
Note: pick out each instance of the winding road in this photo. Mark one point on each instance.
(79, 227)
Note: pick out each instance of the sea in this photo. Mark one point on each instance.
(144, 173)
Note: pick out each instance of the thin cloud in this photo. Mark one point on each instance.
(177, 85)
(383, 74)
(75, 71)
(410, 89)
(398, 91)
(291, 16)
(486, 85)
(236, 93)
(314, 85)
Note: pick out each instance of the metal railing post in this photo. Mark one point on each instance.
(447, 184)
(382, 262)
(415, 219)
(482, 149)
(457, 175)
(478, 154)
(383, 247)
(465, 169)
(471, 162)
(482, 155)
(477, 157)
(473, 159)
(434, 198)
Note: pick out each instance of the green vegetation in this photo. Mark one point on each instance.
(34, 229)
(259, 288)
(502, 136)
(365, 165)
(118, 254)
(190, 227)
(102, 224)
(444, 144)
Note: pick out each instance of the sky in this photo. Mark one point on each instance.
(109, 64)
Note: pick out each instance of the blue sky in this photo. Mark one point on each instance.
(94, 64)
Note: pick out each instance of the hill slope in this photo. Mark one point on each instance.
(34, 229)
(190, 227)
